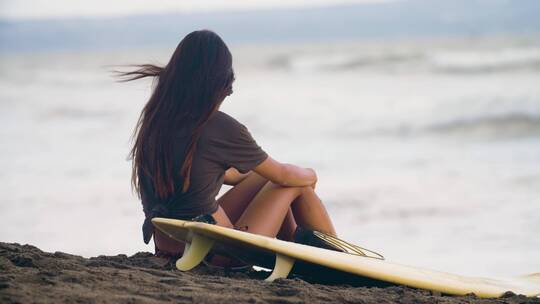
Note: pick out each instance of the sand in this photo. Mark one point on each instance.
(29, 275)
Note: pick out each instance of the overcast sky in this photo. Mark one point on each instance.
(17, 9)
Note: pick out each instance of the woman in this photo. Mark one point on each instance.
(185, 149)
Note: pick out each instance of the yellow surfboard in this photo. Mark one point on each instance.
(200, 238)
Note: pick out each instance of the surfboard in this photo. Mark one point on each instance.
(200, 238)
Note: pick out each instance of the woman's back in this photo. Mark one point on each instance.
(224, 142)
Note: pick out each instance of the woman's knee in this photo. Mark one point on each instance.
(307, 189)
(297, 189)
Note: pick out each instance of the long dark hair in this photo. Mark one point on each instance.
(187, 91)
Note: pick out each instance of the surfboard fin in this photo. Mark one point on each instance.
(283, 267)
(194, 252)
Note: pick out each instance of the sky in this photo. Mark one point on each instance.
(36, 9)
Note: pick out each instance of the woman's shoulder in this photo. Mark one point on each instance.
(222, 127)
(223, 122)
(224, 118)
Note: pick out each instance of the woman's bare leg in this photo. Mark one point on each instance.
(309, 212)
(236, 199)
(307, 207)
(268, 210)
(286, 232)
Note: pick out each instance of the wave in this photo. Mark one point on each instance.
(342, 61)
(508, 125)
(487, 61)
(76, 113)
(407, 60)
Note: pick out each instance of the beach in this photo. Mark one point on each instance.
(30, 275)
(421, 121)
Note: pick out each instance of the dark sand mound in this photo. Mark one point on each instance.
(29, 275)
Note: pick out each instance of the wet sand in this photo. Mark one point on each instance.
(29, 275)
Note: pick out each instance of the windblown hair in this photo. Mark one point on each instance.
(187, 91)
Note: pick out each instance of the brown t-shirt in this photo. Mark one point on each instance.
(224, 143)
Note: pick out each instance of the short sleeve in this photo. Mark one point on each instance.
(237, 148)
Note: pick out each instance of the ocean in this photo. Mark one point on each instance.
(427, 150)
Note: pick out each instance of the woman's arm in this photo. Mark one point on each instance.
(233, 177)
(286, 174)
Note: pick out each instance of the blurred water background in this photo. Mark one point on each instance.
(427, 146)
